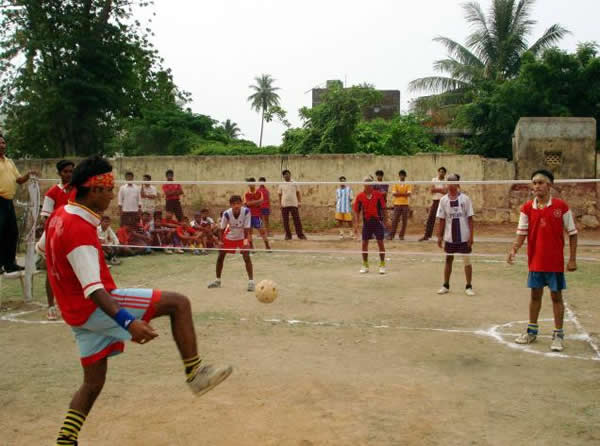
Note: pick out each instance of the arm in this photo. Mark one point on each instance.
(25, 178)
(470, 242)
(440, 236)
(572, 265)
(298, 196)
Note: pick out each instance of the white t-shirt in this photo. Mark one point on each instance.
(456, 214)
(130, 199)
(236, 225)
(107, 237)
(437, 183)
(288, 194)
(149, 204)
(203, 222)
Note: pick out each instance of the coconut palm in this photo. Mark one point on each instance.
(263, 98)
(492, 51)
(231, 129)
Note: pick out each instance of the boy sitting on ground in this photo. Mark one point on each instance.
(190, 237)
(108, 237)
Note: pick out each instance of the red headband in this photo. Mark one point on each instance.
(102, 180)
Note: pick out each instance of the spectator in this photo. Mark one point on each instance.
(343, 207)
(161, 235)
(207, 227)
(149, 196)
(130, 202)
(289, 200)
(172, 223)
(401, 193)
(438, 190)
(108, 237)
(137, 242)
(265, 207)
(9, 232)
(189, 236)
(253, 200)
(173, 193)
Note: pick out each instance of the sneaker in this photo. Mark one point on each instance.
(204, 252)
(251, 286)
(179, 251)
(168, 251)
(443, 290)
(196, 252)
(52, 313)
(526, 338)
(208, 377)
(114, 261)
(423, 239)
(364, 270)
(557, 344)
(469, 292)
(215, 284)
(13, 268)
(382, 270)
(341, 235)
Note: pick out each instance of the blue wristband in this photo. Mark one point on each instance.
(124, 318)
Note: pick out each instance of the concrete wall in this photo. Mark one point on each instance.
(539, 141)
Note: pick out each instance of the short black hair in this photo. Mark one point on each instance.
(286, 171)
(235, 199)
(250, 180)
(89, 167)
(379, 173)
(443, 168)
(62, 164)
(454, 175)
(402, 172)
(145, 213)
(170, 171)
(147, 176)
(128, 173)
(342, 178)
(262, 179)
(106, 217)
(204, 210)
(544, 172)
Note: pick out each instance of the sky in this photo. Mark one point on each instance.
(215, 48)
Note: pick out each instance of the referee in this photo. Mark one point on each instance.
(9, 233)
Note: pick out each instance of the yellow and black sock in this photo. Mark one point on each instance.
(559, 332)
(191, 364)
(70, 429)
(532, 329)
(382, 263)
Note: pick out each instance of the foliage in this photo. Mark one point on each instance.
(231, 129)
(557, 84)
(235, 148)
(263, 98)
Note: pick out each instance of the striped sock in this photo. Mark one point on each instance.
(70, 429)
(382, 263)
(366, 263)
(191, 364)
(532, 329)
(559, 332)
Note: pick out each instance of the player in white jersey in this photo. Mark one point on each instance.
(455, 234)
(235, 233)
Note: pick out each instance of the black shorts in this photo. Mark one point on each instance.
(457, 248)
(373, 229)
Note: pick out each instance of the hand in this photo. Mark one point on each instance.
(572, 265)
(33, 173)
(440, 242)
(510, 259)
(141, 332)
(470, 243)
(298, 205)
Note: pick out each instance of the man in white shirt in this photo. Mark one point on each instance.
(289, 200)
(149, 196)
(438, 190)
(130, 202)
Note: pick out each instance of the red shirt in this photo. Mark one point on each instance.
(170, 190)
(57, 197)
(123, 235)
(75, 261)
(545, 230)
(266, 204)
(185, 231)
(172, 221)
(254, 196)
(371, 207)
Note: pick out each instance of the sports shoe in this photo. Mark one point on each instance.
(557, 344)
(180, 251)
(469, 292)
(52, 313)
(114, 261)
(215, 284)
(251, 286)
(168, 251)
(341, 235)
(208, 377)
(443, 290)
(364, 270)
(526, 338)
(382, 270)
(196, 252)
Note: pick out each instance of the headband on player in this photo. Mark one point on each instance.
(102, 180)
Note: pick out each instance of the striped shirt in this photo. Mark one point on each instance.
(343, 200)
(456, 214)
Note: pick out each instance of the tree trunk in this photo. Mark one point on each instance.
(262, 124)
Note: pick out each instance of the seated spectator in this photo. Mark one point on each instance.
(189, 236)
(161, 235)
(132, 239)
(207, 227)
(107, 237)
(172, 223)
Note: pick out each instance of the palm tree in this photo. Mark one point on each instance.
(231, 129)
(492, 51)
(263, 98)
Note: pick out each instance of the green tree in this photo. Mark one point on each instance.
(231, 129)
(492, 51)
(263, 98)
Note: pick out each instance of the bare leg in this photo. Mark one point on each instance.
(365, 250)
(179, 309)
(381, 250)
(266, 221)
(263, 234)
(535, 305)
(558, 307)
(94, 376)
(220, 262)
(469, 274)
(448, 269)
(248, 262)
(49, 293)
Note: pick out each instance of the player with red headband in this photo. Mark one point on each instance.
(101, 315)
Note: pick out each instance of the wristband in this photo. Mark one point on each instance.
(124, 318)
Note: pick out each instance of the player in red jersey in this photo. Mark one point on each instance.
(372, 205)
(253, 200)
(101, 315)
(543, 222)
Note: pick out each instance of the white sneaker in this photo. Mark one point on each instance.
(168, 251)
(179, 251)
(251, 286)
(469, 292)
(526, 338)
(208, 377)
(364, 270)
(52, 314)
(443, 290)
(557, 344)
(382, 270)
(215, 284)
(341, 235)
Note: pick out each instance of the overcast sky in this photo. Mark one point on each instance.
(216, 47)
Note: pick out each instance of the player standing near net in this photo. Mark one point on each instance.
(543, 222)
(455, 233)
(254, 199)
(372, 205)
(237, 220)
(101, 315)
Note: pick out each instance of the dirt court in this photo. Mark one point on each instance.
(339, 359)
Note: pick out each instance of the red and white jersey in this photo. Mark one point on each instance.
(235, 224)
(456, 213)
(545, 230)
(75, 261)
(57, 196)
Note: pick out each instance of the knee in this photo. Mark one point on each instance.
(177, 302)
(556, 298)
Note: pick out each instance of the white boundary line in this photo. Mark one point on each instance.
(573, 318)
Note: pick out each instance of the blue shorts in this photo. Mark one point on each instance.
(256, 222)
(554, 281)
(373, 229)
(265, 211)
(101, 337)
